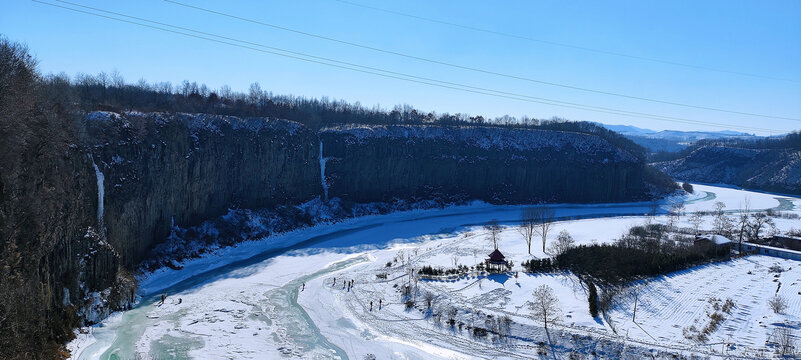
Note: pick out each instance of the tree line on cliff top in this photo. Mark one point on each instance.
(111, 92)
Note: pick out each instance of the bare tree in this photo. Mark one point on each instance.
(493, 232)
(783, 338)
(564, 242)
(545, 305)
(778, 304)
(721, 223)
(757, 224)
(697, 219)
(674, 214)
(653, 209)
(543, 218)
(719, 206)
(528, 226)
(743, 223)
(428, 297)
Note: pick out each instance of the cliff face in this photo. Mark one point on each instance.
(379, 163)
(53, 259)
(182, 169)
(82, 216)
(776, 170)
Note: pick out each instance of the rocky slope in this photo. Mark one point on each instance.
(777, 170)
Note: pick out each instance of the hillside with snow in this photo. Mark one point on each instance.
(776, 170)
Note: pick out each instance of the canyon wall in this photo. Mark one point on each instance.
(180, 169)
(498, 165)
(84, 214)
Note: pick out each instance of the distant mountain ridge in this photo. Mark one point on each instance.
(672, 140)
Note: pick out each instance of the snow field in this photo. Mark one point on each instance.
(251, 311)
(668, 304)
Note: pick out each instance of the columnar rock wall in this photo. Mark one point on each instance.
(181, 169)
(499, 165)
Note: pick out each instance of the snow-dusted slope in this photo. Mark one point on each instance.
(766, 169)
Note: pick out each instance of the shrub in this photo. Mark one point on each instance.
(728, 306)
(617, 262)
(538, 265)
(778, 304)
(687, 187)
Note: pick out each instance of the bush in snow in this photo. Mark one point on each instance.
(687, 187)
(778, 304)
(564, 242)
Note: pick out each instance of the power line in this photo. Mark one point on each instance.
(565, 45)
(392, 74)
(469, 68)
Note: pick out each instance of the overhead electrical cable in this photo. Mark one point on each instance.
(386, 73)
(474, 69)
(564, 45)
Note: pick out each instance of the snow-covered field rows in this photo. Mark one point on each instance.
(669, 304)
(294, 302)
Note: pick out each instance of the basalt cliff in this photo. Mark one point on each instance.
(79, 215)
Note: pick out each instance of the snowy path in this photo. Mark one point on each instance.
(241, 302)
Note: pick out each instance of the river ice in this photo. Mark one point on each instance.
(249, 301)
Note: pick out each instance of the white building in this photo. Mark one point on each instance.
(752, 248)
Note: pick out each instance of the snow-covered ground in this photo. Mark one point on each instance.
(278, 297)
(669, 304)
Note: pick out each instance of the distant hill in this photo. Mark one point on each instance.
(627, 129)
(770, 164)
(672, 140)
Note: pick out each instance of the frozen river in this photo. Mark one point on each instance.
(242, 302)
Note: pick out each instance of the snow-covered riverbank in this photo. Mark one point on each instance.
(242, 301)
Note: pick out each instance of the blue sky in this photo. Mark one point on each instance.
(755, 37)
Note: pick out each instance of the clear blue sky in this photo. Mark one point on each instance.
(759, 37)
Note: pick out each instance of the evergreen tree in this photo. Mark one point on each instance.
(593, 299)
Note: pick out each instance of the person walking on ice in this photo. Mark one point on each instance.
(371, 306)
(304, 287)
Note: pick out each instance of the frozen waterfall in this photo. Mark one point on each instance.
(100, 195)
